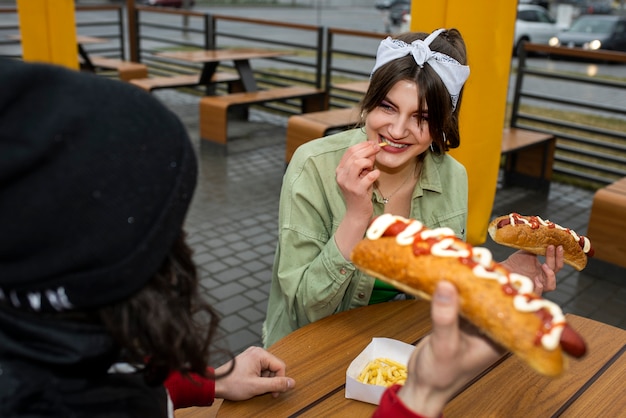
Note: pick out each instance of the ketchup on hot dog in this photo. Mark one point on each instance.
(535, 222)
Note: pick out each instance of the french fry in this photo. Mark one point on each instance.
(383, 372)
(382, 144)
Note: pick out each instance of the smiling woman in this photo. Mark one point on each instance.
(396, 163)
(336, 185)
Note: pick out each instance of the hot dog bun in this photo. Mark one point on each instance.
(501, 304)
(533, 234)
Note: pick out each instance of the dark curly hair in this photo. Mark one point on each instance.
(166, 325)
(443, 121)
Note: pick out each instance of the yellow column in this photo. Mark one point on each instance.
(48, 31)
(487, 27)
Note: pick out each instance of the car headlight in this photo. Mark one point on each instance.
(595, 44)
(554, 41)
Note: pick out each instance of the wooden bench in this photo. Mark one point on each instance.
(184, 80)
(126, 70)
(607, 223)
(528, 158)
(303, 128)
(214, 109)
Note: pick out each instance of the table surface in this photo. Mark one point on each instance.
(318, 355)
(215, 55)
(521, 138)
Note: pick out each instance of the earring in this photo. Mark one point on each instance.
(432, 149)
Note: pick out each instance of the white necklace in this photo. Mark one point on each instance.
(389, 196)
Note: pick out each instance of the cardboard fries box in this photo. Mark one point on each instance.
(378, 348)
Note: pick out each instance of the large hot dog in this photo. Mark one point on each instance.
(501, 304)
(533, 234)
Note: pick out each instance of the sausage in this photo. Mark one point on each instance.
(572, 343)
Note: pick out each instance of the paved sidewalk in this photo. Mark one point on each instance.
(233, 219)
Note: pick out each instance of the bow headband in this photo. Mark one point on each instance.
(450, 71)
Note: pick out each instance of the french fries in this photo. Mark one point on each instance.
(383, 372)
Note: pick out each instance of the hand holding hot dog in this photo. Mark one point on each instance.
(542, 275)
(444, 361)
(533, 234)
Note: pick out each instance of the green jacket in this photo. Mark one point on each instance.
(311, 279)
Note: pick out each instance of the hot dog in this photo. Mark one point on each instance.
(533, 234)
(501, 304)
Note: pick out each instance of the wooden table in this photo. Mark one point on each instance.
(211, 59)
(318, 355)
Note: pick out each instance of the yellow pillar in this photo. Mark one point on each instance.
(487, 27)
(48, 31)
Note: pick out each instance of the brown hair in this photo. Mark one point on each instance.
(443, 121)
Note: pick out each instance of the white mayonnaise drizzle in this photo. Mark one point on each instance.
(447, 245)
(586, 246)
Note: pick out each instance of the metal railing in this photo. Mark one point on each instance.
(209, 31)
(350, 56)
(303, 67)
(105, 22)
(161, 29)
(593, 153)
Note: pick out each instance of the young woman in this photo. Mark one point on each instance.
(396, 163)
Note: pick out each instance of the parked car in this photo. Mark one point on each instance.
(594, 32)
(397, 10)
(393, 12)
(533, 24)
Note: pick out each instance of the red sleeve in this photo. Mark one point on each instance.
(192, 390)
(391, 406)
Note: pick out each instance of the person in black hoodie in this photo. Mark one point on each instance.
(99, 304)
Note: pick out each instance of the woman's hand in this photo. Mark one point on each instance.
(355, 176)
(256, 372)
(542, 275)
(444, 361)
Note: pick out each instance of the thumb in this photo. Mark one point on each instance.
(445, 310)
(278, 385)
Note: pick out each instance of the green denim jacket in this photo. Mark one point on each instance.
(311, 279)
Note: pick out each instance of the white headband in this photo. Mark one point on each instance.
(452, 73)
